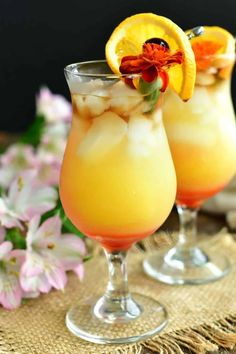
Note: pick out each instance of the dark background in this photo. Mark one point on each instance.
(38, 38)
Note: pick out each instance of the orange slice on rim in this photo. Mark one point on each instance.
(130, 35)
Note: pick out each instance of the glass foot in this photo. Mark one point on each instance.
(192, 266)
(82, 322)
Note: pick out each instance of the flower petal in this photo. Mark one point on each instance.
(49, 173)
(44, 285)
(150, 74)
(42, 200)
(7, 217)
(5, 248)
(72, 242)
(32, 230)
(35, 284)
(10, 222)
(79, 271)
(21, 187)
(50, 228)
(28, 198)
(10, 291)
(16, 158)
(165, 80)
(57, 277)
(69, 250)
(7, 174)
(54, 108)
(16, 257)
(33, 265)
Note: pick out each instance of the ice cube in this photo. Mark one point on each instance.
(121, 89)
(104, 134)
(141, 136)
(80, 86)
(124, 105)
(96, 105)
(123, 99)
(80, 106)
(90, 106)
(138, 128)
(140, 108)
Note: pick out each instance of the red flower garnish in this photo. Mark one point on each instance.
(153, 62)
(204, 53)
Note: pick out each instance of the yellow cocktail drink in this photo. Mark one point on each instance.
(202, 138)
(118, 183)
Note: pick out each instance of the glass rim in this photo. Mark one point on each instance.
(69, 70)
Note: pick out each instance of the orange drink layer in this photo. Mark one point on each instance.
(201, 135)
(118, 183)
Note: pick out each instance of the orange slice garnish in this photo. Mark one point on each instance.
(130, 35)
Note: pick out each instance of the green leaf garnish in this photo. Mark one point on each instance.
(147, 88)
(151, 91)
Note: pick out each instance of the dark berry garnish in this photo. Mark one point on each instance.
(159, 41)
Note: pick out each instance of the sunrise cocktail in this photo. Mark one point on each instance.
(118, 182)
(116, 167)
(202, 138)
(117, 152)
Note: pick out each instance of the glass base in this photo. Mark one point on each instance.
(191, 266)
(82, 322)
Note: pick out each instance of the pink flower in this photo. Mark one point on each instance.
(8, 217)
(49, 171)
(16, 158)
(53, 141)
(54, 108)
(11, 292)
(49, 255)
(25, 198)
(50, 153)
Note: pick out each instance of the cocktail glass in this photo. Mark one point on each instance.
(202, 138)
(117, 185)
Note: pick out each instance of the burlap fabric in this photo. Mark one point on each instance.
(201, 318)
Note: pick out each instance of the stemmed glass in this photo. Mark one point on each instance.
(202, 138)
(117, 185)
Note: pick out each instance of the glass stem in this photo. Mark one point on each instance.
(116, 305)
(188, 227)
(117, 287)
(186, 253)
